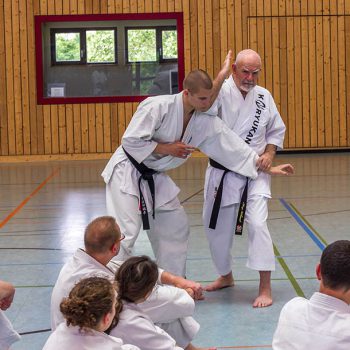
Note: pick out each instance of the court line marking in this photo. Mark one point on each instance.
(314, 235)
(27, 199)
(288, 272)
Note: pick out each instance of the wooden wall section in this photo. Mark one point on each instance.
(304, 45)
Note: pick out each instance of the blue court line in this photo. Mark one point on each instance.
(299, 220)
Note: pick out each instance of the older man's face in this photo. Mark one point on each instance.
(246, 74)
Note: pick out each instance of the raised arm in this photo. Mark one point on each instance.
(222, 75)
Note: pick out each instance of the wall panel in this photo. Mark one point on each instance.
(305, 49)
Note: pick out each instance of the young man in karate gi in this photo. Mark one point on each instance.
(162, 134)
(323, 322)
(248, 110)
(169, 306)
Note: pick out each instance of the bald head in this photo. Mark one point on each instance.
(248, 56)
(101, 234)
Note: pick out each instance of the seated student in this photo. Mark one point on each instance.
(7, 334)
(89, 311)
(102, 242)
(323, 322)
(136, 280)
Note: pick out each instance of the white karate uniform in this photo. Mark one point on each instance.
(257, 120)
(170, 307)
(160, 119)
(136, 327)
(72, 337)
(321, 323)
(7, 334)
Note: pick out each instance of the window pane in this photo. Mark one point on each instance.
(142, 45)
(100, 46)
(67, 47)
(169, 44)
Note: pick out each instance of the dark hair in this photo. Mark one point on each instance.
(197, 79)
(101, 234)
(89, 300)
(335, 265)
(136, 277)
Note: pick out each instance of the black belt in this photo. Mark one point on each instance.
(218, 197)
(146, 174)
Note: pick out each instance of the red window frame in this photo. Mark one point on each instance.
(40, 20)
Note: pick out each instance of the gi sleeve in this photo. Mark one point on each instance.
(137, 139)
(225, 147)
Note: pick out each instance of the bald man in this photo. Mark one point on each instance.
(248, 110)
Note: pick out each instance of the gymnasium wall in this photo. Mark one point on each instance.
(305, 47)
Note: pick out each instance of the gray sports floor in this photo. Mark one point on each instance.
(44, 208)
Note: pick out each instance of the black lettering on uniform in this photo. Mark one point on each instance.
(261, 96)
(260, 104)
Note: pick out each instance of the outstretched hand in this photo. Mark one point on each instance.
(282, 169)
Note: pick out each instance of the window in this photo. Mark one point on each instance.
(151, 44)
(83, 46)
(108, 58)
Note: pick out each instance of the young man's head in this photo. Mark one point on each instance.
(246, 70)
(102, 237)
(198, 90)
(334, 267)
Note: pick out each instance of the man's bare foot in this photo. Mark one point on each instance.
(221, 282)
(263, 301)
(264, 298)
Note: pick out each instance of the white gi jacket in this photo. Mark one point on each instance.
(160, 119)
(64, 338)
(7, 334)
(168, 306)
(256, 119)
(136, 327)
(321, 323)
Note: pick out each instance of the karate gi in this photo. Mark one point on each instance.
(136, 327)
(160, 119)
(64, 338)
(170, 307)
(321, 323)
(7, 334)
(255, 119)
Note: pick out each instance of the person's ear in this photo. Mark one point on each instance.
(185, 92)
(318, 272)
(107, 319)
(115, 247)
(234, 68)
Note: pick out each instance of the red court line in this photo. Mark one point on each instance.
(245, 347)
(24, 202)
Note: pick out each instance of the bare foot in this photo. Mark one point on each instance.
(263, 301)
(221, 282)
(264, 298)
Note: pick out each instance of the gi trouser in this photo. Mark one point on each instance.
(168, 233)
(260, 249)
(171, 309)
